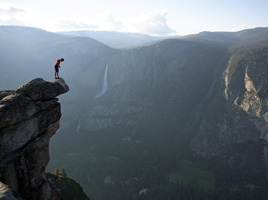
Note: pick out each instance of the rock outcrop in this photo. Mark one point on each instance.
(238, 112)
(29, 116)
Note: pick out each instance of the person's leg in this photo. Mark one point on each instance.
(56, 72)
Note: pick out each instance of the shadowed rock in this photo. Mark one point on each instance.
(29, 116)
(15, 108)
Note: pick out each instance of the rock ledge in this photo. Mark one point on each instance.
(29, 116)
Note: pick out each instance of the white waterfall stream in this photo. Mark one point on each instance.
(78, 126)
(103, 90)
(104, 85)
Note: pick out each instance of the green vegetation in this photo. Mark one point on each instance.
(106, 172)
(68, 188)
(60, 172)
(189, 173)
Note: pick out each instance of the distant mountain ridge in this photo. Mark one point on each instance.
(247, 37)
(121, 40)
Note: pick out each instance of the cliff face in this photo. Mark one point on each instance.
(29, 116)
(216, 95)
(234, 125)
(137, 82)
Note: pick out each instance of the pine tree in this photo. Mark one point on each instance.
(63, 172)
(57, 171)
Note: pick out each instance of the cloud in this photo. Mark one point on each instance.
(243, 27)
(76, 25)
(112, 22)
(7, 9)
(108, 22)
(101, 22)
(9, 13)
(152, 23)
(24, 16)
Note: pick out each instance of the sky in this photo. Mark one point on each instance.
(152, 17)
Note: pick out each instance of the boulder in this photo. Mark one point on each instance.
(38, 89)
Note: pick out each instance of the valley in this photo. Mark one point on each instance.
(180, 118)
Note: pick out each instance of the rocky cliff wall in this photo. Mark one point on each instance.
(29, 116)
(234, 125)
(141, 80)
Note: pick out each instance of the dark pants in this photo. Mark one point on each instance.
(56, 69)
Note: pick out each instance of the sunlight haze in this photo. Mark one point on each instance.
(171, 17)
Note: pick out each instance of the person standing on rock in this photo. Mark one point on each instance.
(57, 66)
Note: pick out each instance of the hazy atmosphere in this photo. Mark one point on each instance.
(134, 100)
(153, 17)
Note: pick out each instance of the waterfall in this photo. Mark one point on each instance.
(78, 126)
(104, 85)
(100, 93)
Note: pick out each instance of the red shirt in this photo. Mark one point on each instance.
(57, 64)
